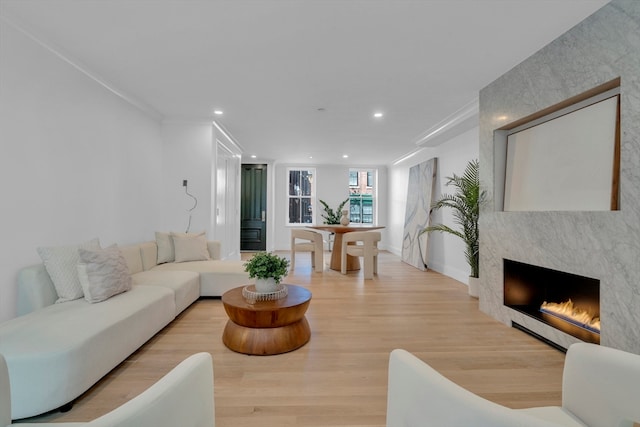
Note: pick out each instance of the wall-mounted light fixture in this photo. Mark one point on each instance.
(195, 202)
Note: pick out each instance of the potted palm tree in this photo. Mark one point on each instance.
(465, 203)
(268, 269)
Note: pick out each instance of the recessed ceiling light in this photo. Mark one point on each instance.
(218, 112)
(378, 115)
(345, 156)
(311, 157)
(253, 156)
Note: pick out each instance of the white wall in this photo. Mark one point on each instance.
(188, 154)
(332, 186)
(226, 203)
(446, 252)
(77, 161)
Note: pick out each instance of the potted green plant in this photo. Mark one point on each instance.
(268, 269)
(465, 203)
(330, 216)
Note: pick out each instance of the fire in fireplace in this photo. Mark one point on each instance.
(569, 312)
(568, 302)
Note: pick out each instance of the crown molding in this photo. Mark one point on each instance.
(459, 118)
(407, 156)
(78, 65)
(179, 120)
(454, 124)
(229, 141)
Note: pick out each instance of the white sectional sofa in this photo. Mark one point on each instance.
(57, 351)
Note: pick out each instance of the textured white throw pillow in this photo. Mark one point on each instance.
(165, 247)
(61, 263)
(103, 273)
(190, 247)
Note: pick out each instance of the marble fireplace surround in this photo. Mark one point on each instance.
(603, 245)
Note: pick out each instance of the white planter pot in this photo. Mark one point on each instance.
(474, 286)
(266, 285)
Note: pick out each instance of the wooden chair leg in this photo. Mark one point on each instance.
(343, 260)
(293, 258)
(368, 267)
(318, 261)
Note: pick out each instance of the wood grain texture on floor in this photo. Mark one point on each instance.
(339, 378)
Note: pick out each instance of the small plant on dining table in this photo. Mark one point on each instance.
(330, 216)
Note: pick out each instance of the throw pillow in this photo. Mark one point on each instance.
(103, 273)
(189, 247)
(61, 264)
(165, 247)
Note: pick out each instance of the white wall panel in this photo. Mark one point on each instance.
(76, 162)
(446, 252)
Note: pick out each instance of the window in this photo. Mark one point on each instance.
(300, 195)
(353, 178)
(361, 196)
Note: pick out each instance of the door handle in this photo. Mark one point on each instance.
(263, 216)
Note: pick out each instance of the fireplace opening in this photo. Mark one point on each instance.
(565, 301)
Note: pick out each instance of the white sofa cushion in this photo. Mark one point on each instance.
(103, 273)
(189, 247)
(165, 247)
(148, 255)
(216, 276)
(133, 257)
(61, 264)
(184, 284)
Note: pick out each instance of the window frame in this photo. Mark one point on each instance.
(310, 198)
(356, 176)
(364, 198)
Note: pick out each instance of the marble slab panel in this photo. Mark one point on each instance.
(603, 245)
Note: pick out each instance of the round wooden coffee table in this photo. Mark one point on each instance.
(266, 327)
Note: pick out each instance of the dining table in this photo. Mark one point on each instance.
(353, 262)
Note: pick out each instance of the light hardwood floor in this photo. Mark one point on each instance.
(340, 377)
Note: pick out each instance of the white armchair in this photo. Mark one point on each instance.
(308, 241)
(183, 397)
(600, 388)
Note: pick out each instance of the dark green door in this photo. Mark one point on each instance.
(253, 208)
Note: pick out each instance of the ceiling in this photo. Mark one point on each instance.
(301, 78)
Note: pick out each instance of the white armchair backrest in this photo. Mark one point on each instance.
(183, 397)
(308, 235)
(366, 237)
(418, 395)
(601, 385)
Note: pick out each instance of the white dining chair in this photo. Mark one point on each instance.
(308, 241)
(361, 244)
